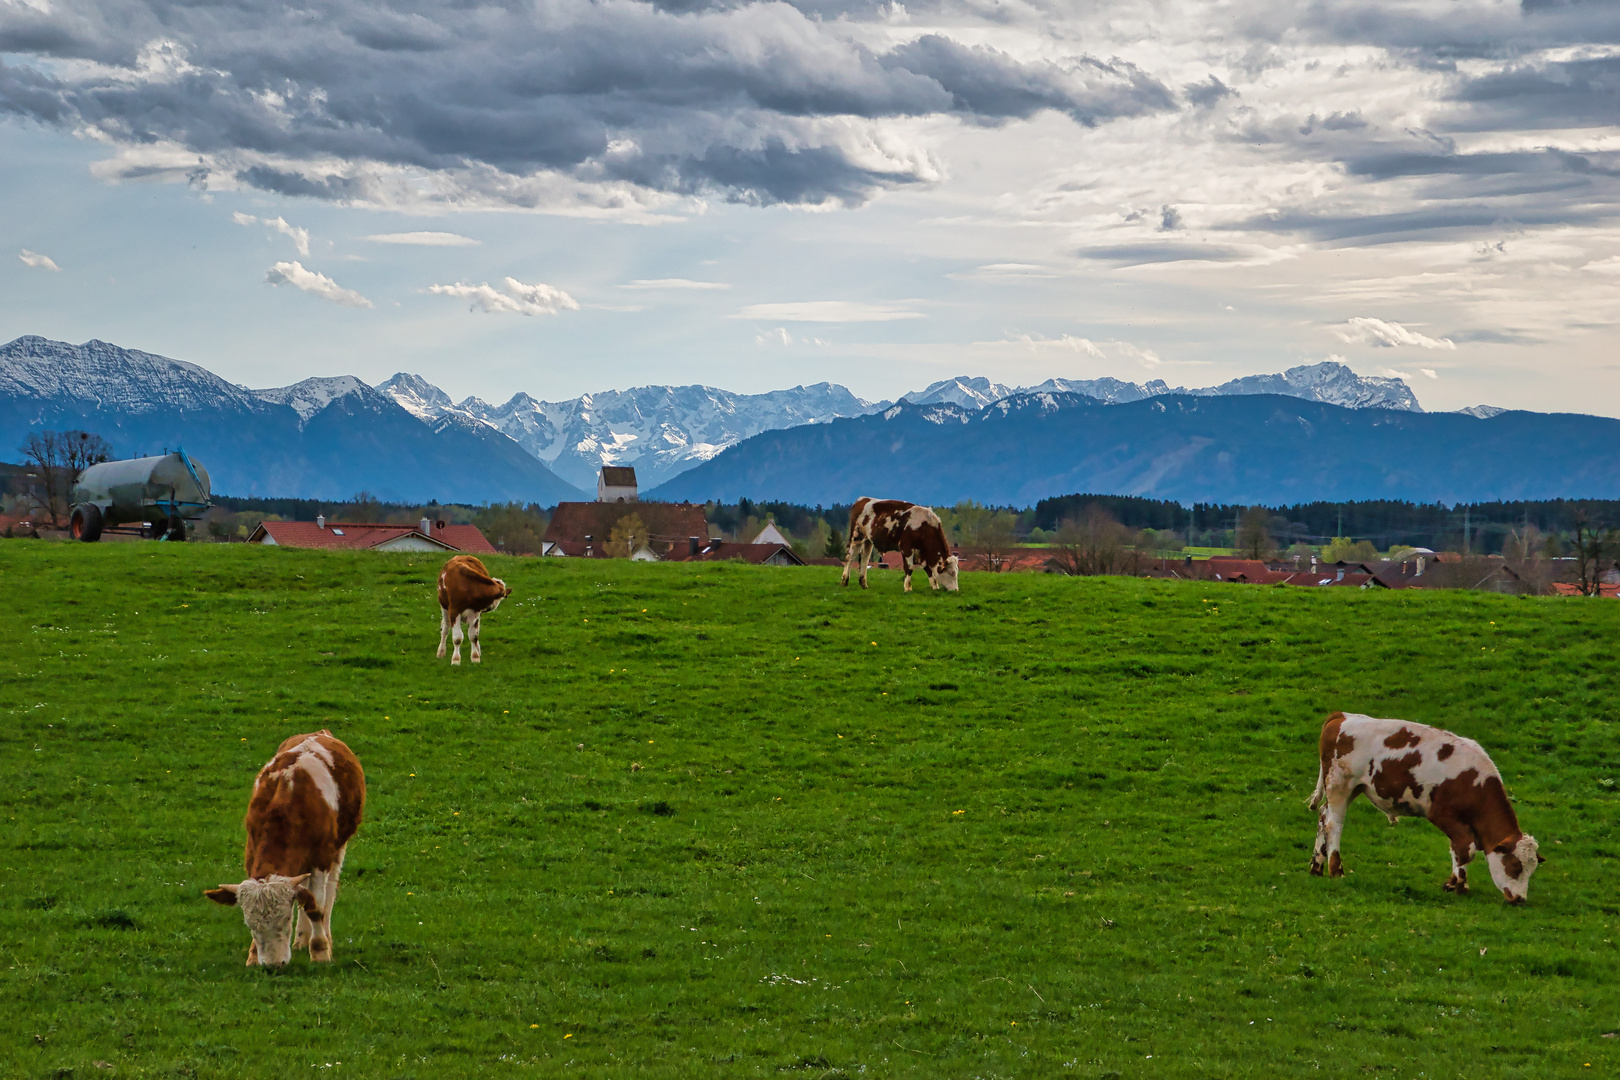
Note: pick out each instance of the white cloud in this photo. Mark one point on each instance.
(423, 239)
(1429, 372)
(1387, 335)
(1395, 373)
(673, 283)
(1604, 266)
(299, 237)
(773, 337)
(311, 281)
(1037, 342)
(38, 261)
(828, 311)
(517, 299)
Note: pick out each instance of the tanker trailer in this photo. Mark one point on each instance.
(150, 495)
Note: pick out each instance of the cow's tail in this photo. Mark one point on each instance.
(1321, 787)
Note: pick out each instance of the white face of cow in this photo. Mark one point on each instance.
(268, 907)
(505, 592)
(946, 578)
(1511, 871)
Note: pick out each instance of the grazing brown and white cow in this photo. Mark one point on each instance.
(466, 591)
(879, 525)
(1411, 770)
(306, 804)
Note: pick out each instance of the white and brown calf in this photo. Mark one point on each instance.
(1411, 770)
(466, 592)
(879, 525)
(307, 802)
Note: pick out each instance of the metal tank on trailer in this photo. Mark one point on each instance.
(152, 495)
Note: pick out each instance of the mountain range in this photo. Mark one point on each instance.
(407, 440)
(1237, 449)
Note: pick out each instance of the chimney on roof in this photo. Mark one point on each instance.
(1313, 562)
(425, 527)
(320, 521)
(693, 545)
(1420, 561)
(587, 545)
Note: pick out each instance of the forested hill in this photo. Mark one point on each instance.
(1260, 449)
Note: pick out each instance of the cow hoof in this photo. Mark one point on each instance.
(455, 661)
(1316, 869)
(321, 952)
(441, 652)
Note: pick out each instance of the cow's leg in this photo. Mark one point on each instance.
(253, 953)
(1462, 850)
(323, 884)
(444, 628)
(472, 629)
(1329, 828)
(867, 547)
(849, 559)
(905, 568)
(455, 638)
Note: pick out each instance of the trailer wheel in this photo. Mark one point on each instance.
(86, 523)
(176, 531)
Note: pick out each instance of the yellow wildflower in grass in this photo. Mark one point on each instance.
(954, 812)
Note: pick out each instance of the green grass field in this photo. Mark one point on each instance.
(1046, 827)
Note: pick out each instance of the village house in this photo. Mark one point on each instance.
(425, 535)
(616, 484)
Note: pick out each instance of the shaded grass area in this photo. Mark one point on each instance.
(731, 821)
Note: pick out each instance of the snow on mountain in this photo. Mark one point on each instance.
(1482, 412)
(973, 393)
(1329, 381)
(417, 396)
(312, 395)
(660, 430)
(114, 379)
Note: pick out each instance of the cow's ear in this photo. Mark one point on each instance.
(225, 894)
(306, 900)
(1540, 858)
(301, 879)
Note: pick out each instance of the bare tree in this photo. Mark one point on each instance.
(1095, 543)
(1593, 546)
(1254, 537)
(82, 449)
(1526, 555)
(44, 451)
(991, 541)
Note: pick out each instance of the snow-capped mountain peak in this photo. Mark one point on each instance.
(312, 395)
(974, 393)
(416, 396)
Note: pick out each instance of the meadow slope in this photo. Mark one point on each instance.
(727, 821)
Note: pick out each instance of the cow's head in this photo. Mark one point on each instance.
(944, 577)
(1511, 866)
(506, 590)
(268, 907)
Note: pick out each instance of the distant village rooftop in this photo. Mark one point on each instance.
(425, 535)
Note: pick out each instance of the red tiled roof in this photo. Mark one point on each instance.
(1569, 588)
(757, 554)
(572, 522)
(364, 535)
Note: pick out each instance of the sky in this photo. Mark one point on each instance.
(564, 196)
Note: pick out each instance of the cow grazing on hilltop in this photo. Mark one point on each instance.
(307, 802)
(1411, 770)
(879, 525)
(466, 591)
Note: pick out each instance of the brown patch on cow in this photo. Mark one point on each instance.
(1401, 739)
(1511, 863)
(1445, 751)
(290, 828)
(1394, 778)
(1335, 743)
(1476, 809)
(1335, 865)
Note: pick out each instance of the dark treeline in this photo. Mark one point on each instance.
(1480, 527)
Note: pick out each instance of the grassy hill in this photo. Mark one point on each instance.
(1045, 827)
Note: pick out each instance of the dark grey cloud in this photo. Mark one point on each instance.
(753, 101)
(1167, 252)
(1443, 222)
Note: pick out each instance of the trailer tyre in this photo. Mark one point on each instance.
(86, 523)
